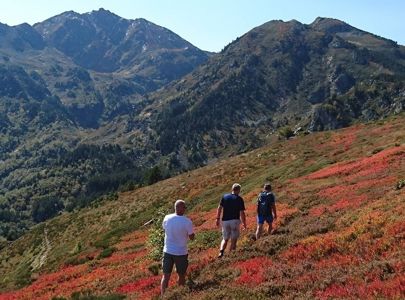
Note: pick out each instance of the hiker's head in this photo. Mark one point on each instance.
(267, 187)
(180, 207)
(236, 188)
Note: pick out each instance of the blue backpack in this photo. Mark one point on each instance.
(265, 200)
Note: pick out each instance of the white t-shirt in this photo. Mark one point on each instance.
(177, 231)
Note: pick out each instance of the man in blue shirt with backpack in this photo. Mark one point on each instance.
(266, 210)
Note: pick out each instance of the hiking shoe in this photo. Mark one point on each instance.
(221, 253)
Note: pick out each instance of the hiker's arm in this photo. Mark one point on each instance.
(243, 218)
(273, 207)
(190, 231)
(219, 212)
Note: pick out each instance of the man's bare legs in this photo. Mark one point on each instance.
(259, 231)
(182, 279)
(233, 244)
(270, 228)
(222, 248)
(164, 283)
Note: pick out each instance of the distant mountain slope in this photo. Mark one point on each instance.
(97, 63)
(339, 233)
(20, 38)
(104, 42)
(320, 76)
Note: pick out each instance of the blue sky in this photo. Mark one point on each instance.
(212, 24)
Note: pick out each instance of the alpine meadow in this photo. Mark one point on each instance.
(105, 122)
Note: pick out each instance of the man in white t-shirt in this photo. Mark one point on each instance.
(178, 230)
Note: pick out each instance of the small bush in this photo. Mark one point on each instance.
(400, 184)
(156, 236)
(107, 252)
(154, 268)
(75, 260)
(206, 239)
(377, 150)
(286, 132)
(23, 275)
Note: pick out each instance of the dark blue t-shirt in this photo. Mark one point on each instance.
(232, 205)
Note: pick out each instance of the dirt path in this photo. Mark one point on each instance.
(40, 259)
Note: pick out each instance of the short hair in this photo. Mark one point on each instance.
(178, 202)
(236, 186)
(267, 186)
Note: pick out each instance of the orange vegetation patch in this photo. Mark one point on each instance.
(348, 201)
(104, 275)
(132, 240)
(387, 128)
(199, 260)
(8, 296)
(347, 196)
(361, 168)
(338, 191)
(337, 260)
(252, 271)
(397, 229)
(46, 285)
(208, 220)
(120, 258)
(344, 139)
(393, 288)
(313, 247)
(146, 287)
(140, 285)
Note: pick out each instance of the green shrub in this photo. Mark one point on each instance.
(156, 236)
(379, 149)
(154, 268)
(206, 239)
(400, 184)
(286, 132)
(107, 252)
(23, 276)
(75, 260)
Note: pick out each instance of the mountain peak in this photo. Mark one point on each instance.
(102, 10)
(331, 25)
(68, 14)
(103, 13)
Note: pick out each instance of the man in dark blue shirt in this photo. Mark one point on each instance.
(232, 208)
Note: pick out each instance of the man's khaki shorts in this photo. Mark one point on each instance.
(231, 229)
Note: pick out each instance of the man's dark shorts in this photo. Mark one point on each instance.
(262, 219)
(181, 262)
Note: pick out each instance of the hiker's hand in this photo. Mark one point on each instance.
(217, 222)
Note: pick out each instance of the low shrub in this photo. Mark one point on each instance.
(400, 184)
(107, 252)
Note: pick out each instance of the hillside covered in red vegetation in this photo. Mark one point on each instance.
(340, 231)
